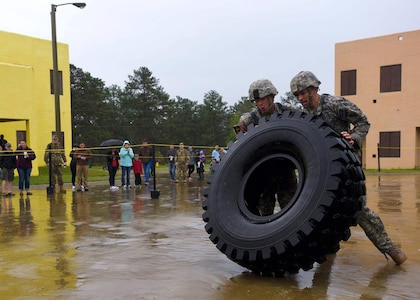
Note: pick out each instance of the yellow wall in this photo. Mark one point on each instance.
(393, 111)
(26, 101)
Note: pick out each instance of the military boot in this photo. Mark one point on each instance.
(397, 255)
(62, 190)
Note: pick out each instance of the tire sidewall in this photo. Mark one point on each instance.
(226, 205)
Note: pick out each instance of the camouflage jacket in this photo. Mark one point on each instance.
(254, 115)
(58, 157)
(182, 156)
(339, 113)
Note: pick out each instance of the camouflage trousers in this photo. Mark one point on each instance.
(374, 229)
(181, 171)
(56, 174)
(267, 201)
(281, 189)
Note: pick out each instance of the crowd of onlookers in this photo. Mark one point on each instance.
(182, 164)
(55, 158)
(20, 159)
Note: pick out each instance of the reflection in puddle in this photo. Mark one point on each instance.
(389, 197)
(124, 244)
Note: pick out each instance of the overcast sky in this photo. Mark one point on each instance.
(194, 46)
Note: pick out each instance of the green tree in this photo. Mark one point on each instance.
(180, 122)
(289, 98)
(144, 106)
(237, 110)
(142, 109)
(214, 119)
(88, 94)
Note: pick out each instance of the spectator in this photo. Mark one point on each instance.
(73, 166)
(126, 163)
(82, 167)
(3, 142)
(146, 156)
(216, 154)
(170, 154)
(222, 152)
(25, 156)
(113, 163)
(212, 164)
(137, 169)
(200, 165)
(191, 162)
(8, 166)
(58, 161)
(181, 160)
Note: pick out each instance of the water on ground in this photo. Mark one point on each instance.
(126, 245)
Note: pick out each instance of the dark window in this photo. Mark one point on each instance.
(348, 82)
(389, 144)
(20, 136)
(60, 82)
(390, 78)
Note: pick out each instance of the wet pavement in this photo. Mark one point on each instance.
(125, 245)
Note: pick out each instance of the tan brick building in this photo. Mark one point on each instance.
(381, 75)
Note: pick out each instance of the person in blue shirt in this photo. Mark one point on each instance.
(216, 154)
(126, 162)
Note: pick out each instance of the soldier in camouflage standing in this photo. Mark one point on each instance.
(339, 113)
(182, 158)
(282, 187)
(58, 160)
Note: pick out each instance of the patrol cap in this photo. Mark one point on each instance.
(261, 88)
(302, 81)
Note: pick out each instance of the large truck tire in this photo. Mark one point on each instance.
(329, 189)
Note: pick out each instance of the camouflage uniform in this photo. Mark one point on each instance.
(254, 115)
(283, 185)
(339, 113)
(182, 158)
(58, 159)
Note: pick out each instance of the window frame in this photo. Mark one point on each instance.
(389, 144)
(390, 78)
(349, 82)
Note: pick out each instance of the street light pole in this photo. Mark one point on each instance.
(55, 66)
(50, 188)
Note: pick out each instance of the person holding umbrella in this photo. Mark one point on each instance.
(113, 162)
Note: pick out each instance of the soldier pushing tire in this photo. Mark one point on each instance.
(284, 195)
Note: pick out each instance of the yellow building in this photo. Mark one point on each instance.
(26, 93)
(381, 76)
